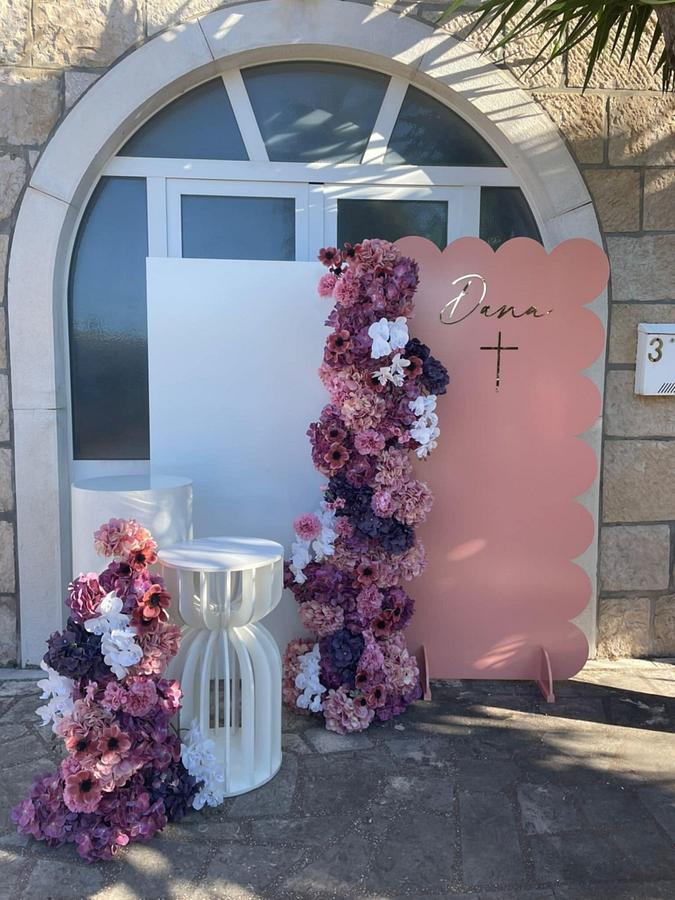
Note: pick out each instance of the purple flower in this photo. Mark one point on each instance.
(435, 376)
(84, 596)
(76, 654)
(175, 787)
(342, 651)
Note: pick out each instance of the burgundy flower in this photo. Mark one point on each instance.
(154, 601)
(330, 257)
(337, 456)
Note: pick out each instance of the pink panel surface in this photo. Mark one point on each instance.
(510, 464)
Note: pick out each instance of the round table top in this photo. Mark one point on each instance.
(124, 483)
(221, 554)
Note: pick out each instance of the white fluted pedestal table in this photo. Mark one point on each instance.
(229, 665)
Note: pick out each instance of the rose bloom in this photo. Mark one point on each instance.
(82, 792)
(307, 526)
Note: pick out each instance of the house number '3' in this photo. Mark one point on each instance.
(657, 353)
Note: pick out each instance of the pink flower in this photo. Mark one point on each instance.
(294, 650)
(307, 527)
(141, 695)
(82, 792)
(113, 745)
(337, 456)
(326, 284)
(413, 502)
(383, 504)
(376, 697)
(347, 291)
(369, 442)
(369, 602)
(345, 715)
(159, 647)
(154, 602)
(321, 618)
(343, 527)
(84, 596)
(329, 256)
(367, 573)
(114, 696)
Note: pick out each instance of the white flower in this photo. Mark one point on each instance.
(118, 637)
(423, 405)
(58, 691)
(120, 650)
(324, 545)
(198, 756)
(425, 430)
(395, 372)
(388, 336)
(299, 559)
(308, 681)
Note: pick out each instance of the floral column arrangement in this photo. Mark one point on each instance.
(350, 559)
(122, 778)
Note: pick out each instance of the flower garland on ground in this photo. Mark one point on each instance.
(349, 559)
(122, 779)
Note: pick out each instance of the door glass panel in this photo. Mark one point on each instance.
(238, 227)
(310, 111)
(427, 133)
(504, 214)
(392, 219)
(198, 125)
(108, 330)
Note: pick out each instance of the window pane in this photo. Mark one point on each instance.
(238, 227)
(315, 111)
(504, 214)
(198, 125)
(427, 133)
(392, 219)
(108, 332)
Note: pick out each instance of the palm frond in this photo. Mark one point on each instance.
(614, 27)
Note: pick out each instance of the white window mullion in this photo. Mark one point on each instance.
(316, 220)
(386, 119)
(157, 218)
(246, 120)
(465, 221)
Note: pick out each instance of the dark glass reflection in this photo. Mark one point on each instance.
(310, 111)
(427, 133)
(108, 328)
(504, 214)
(238, 227)
(392, 219)
(198, 125)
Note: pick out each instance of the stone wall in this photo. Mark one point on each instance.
(621, 134)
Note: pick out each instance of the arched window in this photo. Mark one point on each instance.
(270, 162)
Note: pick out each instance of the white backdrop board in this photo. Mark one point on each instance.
(234, 348)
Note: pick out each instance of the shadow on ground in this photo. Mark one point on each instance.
(485, 793)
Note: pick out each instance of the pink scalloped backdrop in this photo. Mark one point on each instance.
(509, 466)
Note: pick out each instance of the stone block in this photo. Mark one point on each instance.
(6, 485)
(611, 73)
(581, 120)
(8, 635)
(163, 13)
(625, 318)
(4, 408)
(616, 193)
(12, 178)
(641, 130)
(58, 880)
(459, 25)
(547, 809)
(638, 480)
(643, 268)
(84, 32)
(628, 414)
(634, 557)
(623, 626)
(659, 201)
(7, 578)
(14, 31)
(519, 55)
(76, 83)
(490, 847)
(30, 102)
(663, 627)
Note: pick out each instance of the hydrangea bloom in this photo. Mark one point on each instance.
(122, 778)
(383, 385)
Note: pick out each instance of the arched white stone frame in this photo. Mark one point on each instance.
(173, 61)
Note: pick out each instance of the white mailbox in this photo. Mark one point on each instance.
(655, 365)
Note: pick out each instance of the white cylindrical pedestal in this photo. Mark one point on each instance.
(228, 665)
(161, 503)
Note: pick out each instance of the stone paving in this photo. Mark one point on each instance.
(485, 793)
